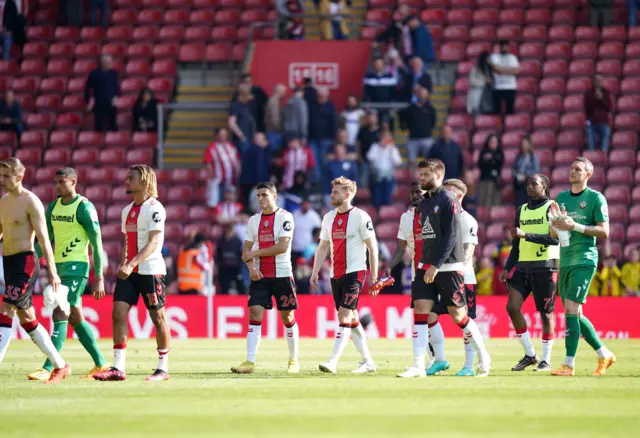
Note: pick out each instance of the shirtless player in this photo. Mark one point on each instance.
(22, 215)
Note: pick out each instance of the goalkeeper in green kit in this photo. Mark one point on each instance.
(73, 225)
(579, 216)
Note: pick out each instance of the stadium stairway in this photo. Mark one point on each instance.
(189, 131)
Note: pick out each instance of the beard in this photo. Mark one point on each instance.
(428, 186)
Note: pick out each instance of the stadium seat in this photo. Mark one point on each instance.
(119, 194)
(199, 215)
(564, 16)
(488, 122)
(39, 33)
(217, 52)
(452, 52)
(118, 139)
(611, 50)
(87, 156)
(119, 34)
(625, 140)
(537, 34)
(554, 86)
(620, 175)
(618, 213)
(633, 233)
(57, 157)
(73, 103)
(145, 33)
(627, 121)
(462, 33)
(549, 121)
(140, 51)
(164, 68)
(165, 51)
(29, 156)
(584, 50)
(391, 212)
(628, 104)
(35, 50)
(587, 33)
(558, 51)
(100, 175)
(564, 157)
(136, 156)
(573, 103)
(460, 121)
(88, 34)
(532, 51)
(90, 139)
(39, 121)
(179, 194)
(114, 214)
(560, 34)
(68, 121)
(62, 139)
(517, 122)
(112, 157)
(45, 192)
(112, 231)
(44, 175)
(555, 67)
(599, 158)
(618, 194)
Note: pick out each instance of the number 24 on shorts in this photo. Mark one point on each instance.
(287, 301)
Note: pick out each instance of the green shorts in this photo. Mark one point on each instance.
(76, 286)
(574, 282)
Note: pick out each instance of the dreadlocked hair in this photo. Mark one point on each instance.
(545, 182)
(148, 179)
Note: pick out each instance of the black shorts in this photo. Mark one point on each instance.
(20, 275)
(346, 289)
(262, 292)
(151, 287)
(544, 286)
(447, 289)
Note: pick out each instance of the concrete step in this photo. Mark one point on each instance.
(205, 116)
(216, 89)
(195, 124)
(190, 149)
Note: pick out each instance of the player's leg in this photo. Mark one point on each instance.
(572, 295)
(359, 337)
(259, 299)
(544, 287)
(519, 289)
(287, 303)
(7, 313)
(469, 352)
(87, 340)
(155, 303)
(58, 336)
(436, 340)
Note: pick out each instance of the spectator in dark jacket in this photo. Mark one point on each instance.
(398, 32)
(256, 164)
(339, 166)
(421, 41)
(310, 92)
(368, 135)
(258, 100)
(295, 117)
(12, 27)
(104, 85)
(420, 118)
(380, 87)
(11, 114)
(229, 261)
(411, 78)
(241, 121)
(145, 112)
(490, 164)
(323, 127)
(597, 106)
(450, 153)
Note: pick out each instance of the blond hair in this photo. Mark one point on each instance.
(346, 184)
(456, 184)
(14, 165)
(148, 179)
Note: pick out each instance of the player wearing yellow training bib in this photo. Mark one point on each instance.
(587, 218)
(73, 224)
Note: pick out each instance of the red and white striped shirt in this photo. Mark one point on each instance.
(296, 160)
(225, 161)
(346, 234)
(264, 230)
(410, 231)
(137, 222)
(228, 209)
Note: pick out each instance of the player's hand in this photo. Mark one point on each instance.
(313, 281)
(256, 274)
(430, 274)
(124, 271)
(247, 256)
(517, 233)
(503, 276)
(98, 288)
(566, 224)
(54, 281)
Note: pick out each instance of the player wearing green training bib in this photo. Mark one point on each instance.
(73, 224)
(587, 219)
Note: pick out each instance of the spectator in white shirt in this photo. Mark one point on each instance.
(384, 158)
(306, 219)
(222, 162)
(352, 115)
(505, 67)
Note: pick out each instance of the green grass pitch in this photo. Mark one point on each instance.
(204, 399)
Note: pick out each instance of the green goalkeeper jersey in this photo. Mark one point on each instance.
(587, 208)
(72, 227)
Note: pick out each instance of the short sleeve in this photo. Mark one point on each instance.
(249, 236)
(287, 226)
(157, 218)
(124, 221)
(325, 231)
(469, 229)
(601, 210)
(366, 226)
(402, 229)
(515, 62)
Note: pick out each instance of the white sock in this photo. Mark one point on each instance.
(253, 340)
(342, 338)
(359, 338)
(525, 341)
(570, 361)
(120, 357)
(293, 340)
(436, 339)
(603, 352)
(41, 337)
(420, 343)
(163, 360)
(473, 335)
(5, 338)
(547, 346)
(469, 355)
(432, 356)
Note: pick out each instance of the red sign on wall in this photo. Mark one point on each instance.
(337, 65)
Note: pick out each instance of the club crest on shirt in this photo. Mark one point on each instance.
(265, 224)
(133, 214)
(339, 222)
(583, 205)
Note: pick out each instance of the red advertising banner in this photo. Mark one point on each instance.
(615, 318)
(337, 65)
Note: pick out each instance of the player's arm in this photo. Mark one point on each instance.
(123, 253)
(318, 260)
(514, 255)
(35, 211)
(398, 254)
(38, 247)
(152, 246)
(449, 222)
(251, 264)
(542, 239)
(280, 247)
(372, 246)
(88, 219)
(1, 230)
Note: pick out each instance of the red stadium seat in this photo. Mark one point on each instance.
(574, 103)
(140, 50)
(538, 16)
(39, 121)
(179, 194)
(587, 33)
(5, 151)
(631, 68)
(511, 16)
(633, 233)
(73, 103)
(118, 139)
(460, 122)
(488, 122)
(25, 85)
(176, 213)
(32, 67)
(39, 33)
(164, 68)
(485, 16)
(461, 33)
(597, 157)
(100, 175)
(550, 103)
(564, 157)
(619, 213)
(586, 50)
(114, 214)
(570, 138)
(452, 52)
(549, 121)
(9, 68)
(86, 50)
(533, 51)
(45, 175)
(609, 67)
(150, 17)
(197, 34)
(556, 67)
(614, 50)
(137, 67)
(119, 194)
(629, 104)
(202, 17)
(92, 34)
(90, 140)
(62, 139)
(57, 157)
(561, 34)
(627, 121)
(618, 194)
(223, 33)
(530, 68)
(145, 33)
(68, 121)
(461, 86)
(632, 51)
(45, 192)
(564, 16)
(35, 50)
(558, 51)
(83, 67)
(475, 49)
(69, 34)
(218, 52)
(555, 86)
(132, 85)
(136, 156)
(161, 86)
(171, 33)
(29, 156)
(546, 157)
(144, 140)
(625, 140)
(199, 215)
(578, 85)
(112, 157)
(535, 34)
(33, 139)
(119, 34)
(433, 16)
(511, 140)
(165, 51)
(518, 122)
(111, 231)
(582, 67)
(8, 139)
(179, 16)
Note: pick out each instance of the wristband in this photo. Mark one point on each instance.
(579, 228)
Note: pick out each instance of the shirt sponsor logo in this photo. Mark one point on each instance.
(266, 238)
(157, 217)
(604, 210)
(369, 226)
(427, 230)
(62, 218)
(287, 226)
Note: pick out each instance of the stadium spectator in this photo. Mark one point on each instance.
(302, 274)
(384, 158)
(323, 127)
(273, 117)
(145, 112)
(450, 153)
(490, 165)
(484, 277)
(352, 117)
(296, 194)
(229, 261)
(413, 78)
(380, 86)
(309, 251)
(11, 114)
(420, 118)
(296, 117)
(340, 165)
(306, 220)
(310, 92)
(335, 28)
(257, 99)
(193, 265)
(369, 134)
(12, 27)
(103, 5)
(343, 138)
(609, 276)
(289, 26)
(480, 93)
(505, 67)
(256, 164)
(228, 211)
(296, 158)
(526, 164)
(103, 84)
(223, 166)
(600, 12)
(633, 12)
(72, 12)
(597, 106)
(500, 257)
(242, 122)
(630, 274)
(420, 41)
(398, 32)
